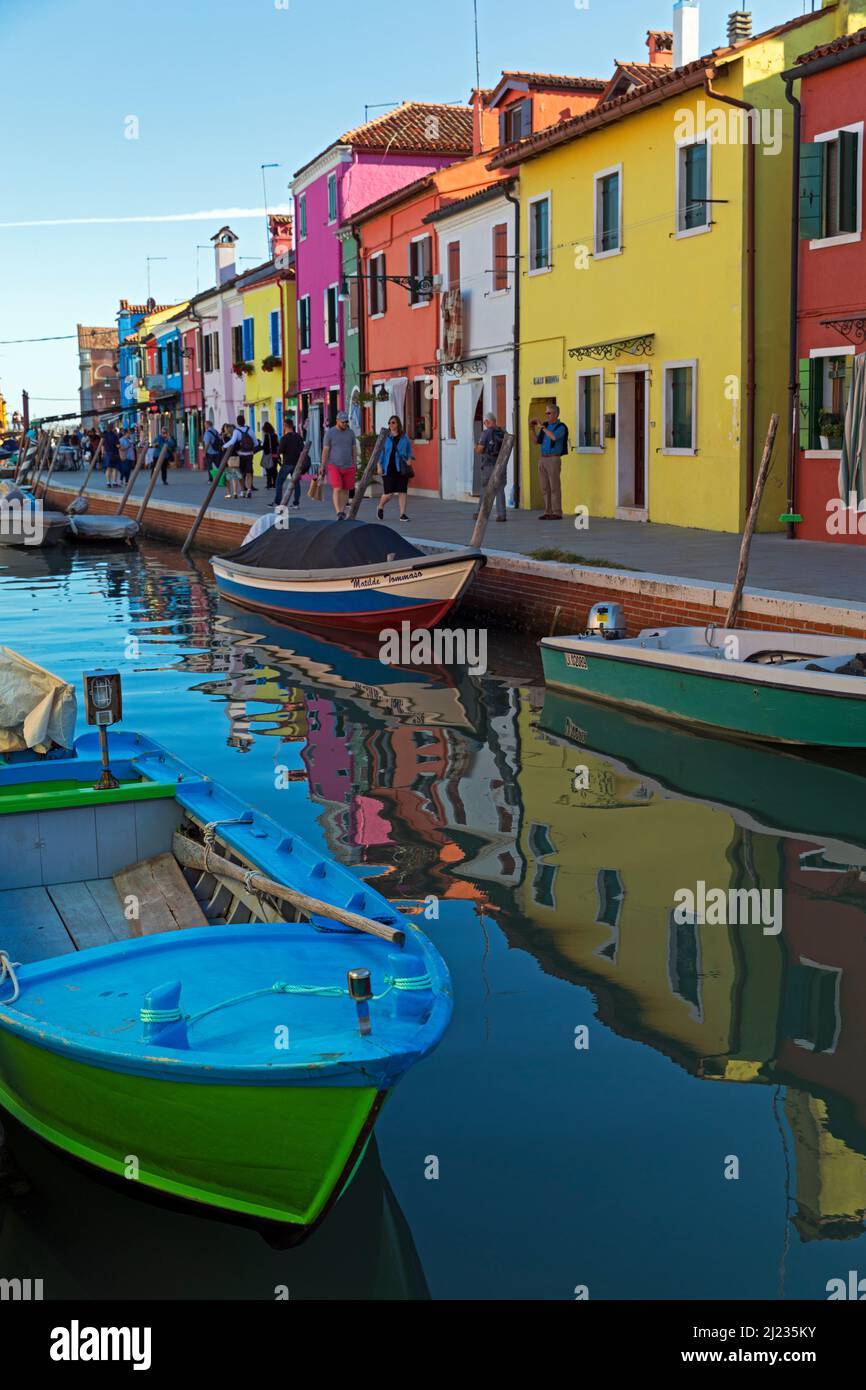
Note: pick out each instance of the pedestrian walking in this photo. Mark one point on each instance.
(488, 447)
(270, 454)
(290, 449)
(241, 446)
(126, 455)
(111, 455)
(339, 461)
(165, 440)
(213, 450)
(395, 463)
(553, 438)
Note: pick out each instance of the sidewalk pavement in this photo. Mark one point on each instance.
(822, 570)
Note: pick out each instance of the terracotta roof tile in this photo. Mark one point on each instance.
(551, 79)
(416, 125)
(826, 50)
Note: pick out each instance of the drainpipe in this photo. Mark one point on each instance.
(362, 309)
(750, 290)
(512, 198)
(793, 369)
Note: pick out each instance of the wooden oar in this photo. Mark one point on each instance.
(751, 522)
(192, 855)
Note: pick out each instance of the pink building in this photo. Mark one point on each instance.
(361, 167)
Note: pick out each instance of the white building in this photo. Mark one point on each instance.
(477, 255)
(220, 310)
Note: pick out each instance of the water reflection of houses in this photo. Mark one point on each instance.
(726, 1003)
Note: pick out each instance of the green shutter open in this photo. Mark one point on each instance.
(811, 191)
(848, 161)
(805, 403)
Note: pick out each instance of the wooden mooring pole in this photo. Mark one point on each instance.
(151, 484)
(93, 462)
(751, 522)
(364, 481)
(140, 456)
(497, 477)
(215, 482)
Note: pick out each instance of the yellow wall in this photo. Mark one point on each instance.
(262, 390)
(690, 292)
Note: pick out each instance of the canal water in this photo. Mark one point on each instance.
(626, 1103)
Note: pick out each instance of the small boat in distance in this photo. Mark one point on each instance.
(777, 687)
(344, 574)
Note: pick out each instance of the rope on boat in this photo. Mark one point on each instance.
(398, 982)
(7, 972)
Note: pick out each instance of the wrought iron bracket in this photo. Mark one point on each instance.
(852, 329)
(639, 346)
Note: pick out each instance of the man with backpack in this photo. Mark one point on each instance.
(242, 447)
(553, 438)
(213, 449)
(488, 447)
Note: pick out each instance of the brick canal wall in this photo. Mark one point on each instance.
(539, 596)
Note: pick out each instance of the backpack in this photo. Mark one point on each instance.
(492, 447)
(212, 441)
(246, 444)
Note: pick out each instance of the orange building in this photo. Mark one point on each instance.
(400, 275)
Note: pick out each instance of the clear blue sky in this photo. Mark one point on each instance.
(220, 87)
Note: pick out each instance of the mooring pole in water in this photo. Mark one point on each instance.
(151, 484)
(364, 481)
(297, 473)
(22, 449)
(497, 477)
(54, 457)
(93, 462)
(140, 456)
(215, 482)
(751, 522)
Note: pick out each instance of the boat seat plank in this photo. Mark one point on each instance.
(105, 895)
(81, 915)
(166, 902)
(31, 928)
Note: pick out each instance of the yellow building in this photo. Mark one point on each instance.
(270, 343)
(4, 423)
(655, 255)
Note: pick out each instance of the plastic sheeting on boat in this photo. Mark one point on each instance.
(320, 545)
(37, 709)
(102, 528)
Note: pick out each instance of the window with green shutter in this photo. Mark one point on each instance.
(302, 216)
(607, 221)
(830, 187)
(679, 408)
(694, 208)
(332, 197)
(589, 410)
(806, 365)
(539, 234)
(824, 386)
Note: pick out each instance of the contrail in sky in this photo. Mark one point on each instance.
(213, 214)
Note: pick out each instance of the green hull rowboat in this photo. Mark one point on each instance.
(794, 688)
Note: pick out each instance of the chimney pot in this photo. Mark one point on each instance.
(739, 27)
(686, 32)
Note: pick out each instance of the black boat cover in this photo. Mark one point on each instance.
(324, 545)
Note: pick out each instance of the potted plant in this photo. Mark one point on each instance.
(269, 364)
(830, 427)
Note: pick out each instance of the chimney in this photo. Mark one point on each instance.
(660, 44)
(686, 36)
(224, 254)
(739, 27)
(281, 234)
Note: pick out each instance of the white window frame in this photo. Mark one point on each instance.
(666, 368)
(424, 236)
(845, 238)
(451, 412)
(417, 439)
(376, 256)
(847, 351)
(540, 198)
(509, 252)
(589, 448)
(597, 221)
(305, 298)
(332, 342)
(332, 176)
(702, 138)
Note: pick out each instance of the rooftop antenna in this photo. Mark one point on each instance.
(478, 81)
(378, 106)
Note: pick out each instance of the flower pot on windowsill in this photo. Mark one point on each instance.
(824, 441)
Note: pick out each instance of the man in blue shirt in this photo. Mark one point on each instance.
(553, 438)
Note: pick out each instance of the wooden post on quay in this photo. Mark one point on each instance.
(48, 456)
(93, 462)
(751, 522)
(364, 481)
(22, 449)
(27, 465)
(151, 483)
(297, 472)
(50, 470)
(217, 479)
(493, 482)
(140, 456)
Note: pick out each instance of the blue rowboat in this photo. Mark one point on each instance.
(344, 574)
(235, 1064)
(777, 687)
